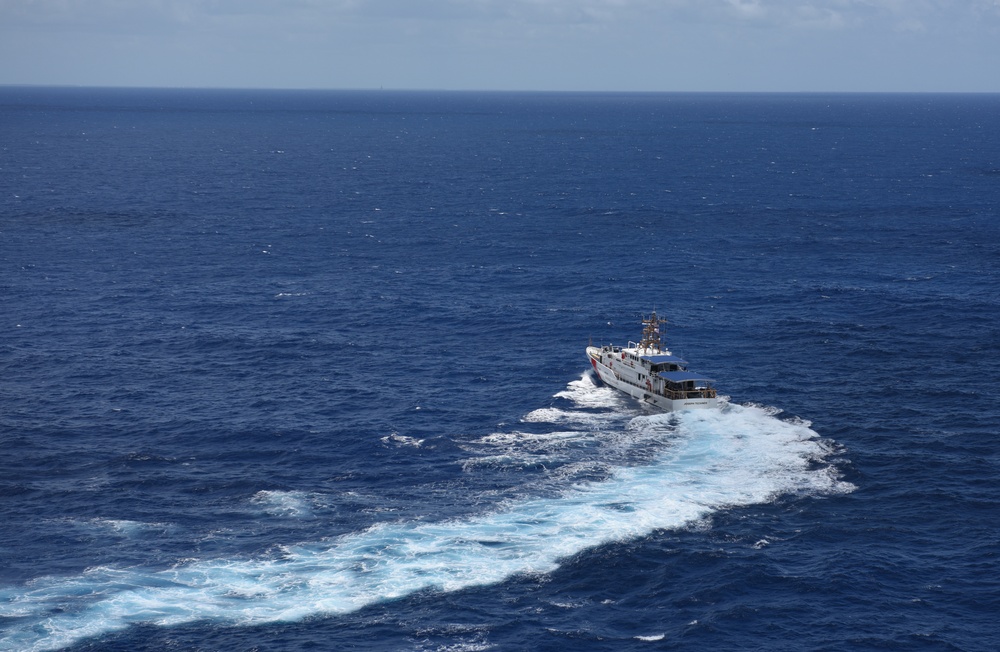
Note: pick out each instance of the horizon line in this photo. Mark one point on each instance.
(494, 90)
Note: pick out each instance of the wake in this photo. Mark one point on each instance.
(717, 459)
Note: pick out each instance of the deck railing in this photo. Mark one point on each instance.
(674, 394)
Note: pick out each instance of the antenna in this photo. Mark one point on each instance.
(651, 335)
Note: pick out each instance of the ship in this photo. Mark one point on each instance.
(647, 371)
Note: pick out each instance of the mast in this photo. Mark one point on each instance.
(651, 333)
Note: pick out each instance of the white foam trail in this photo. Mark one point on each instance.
(586, 393)
(520, 438)
(507, 460)
(555, 415)
(722, 458)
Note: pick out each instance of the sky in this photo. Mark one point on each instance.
(554, 45)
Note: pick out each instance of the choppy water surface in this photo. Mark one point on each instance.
(305, 371)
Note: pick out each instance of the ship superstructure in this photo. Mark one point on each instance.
(648, 371)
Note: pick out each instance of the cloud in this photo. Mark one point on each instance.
(818, 17)
(142, 15)
(554, 44)
(748, 9)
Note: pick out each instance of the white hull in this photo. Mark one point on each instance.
(637, 389)
(648, 372)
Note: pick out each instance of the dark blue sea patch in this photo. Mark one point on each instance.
(304, 370)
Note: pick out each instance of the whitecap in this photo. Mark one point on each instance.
(402, 440)
(284, 504)
(120, 527)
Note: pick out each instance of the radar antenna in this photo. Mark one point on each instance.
(651, 334)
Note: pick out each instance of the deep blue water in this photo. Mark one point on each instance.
(306, 371)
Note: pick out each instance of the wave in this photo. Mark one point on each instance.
(285, 504)
(556, 415)
(717, 459)
(123, 528)
(586, 392)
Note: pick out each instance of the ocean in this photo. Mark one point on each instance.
(290, 370)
